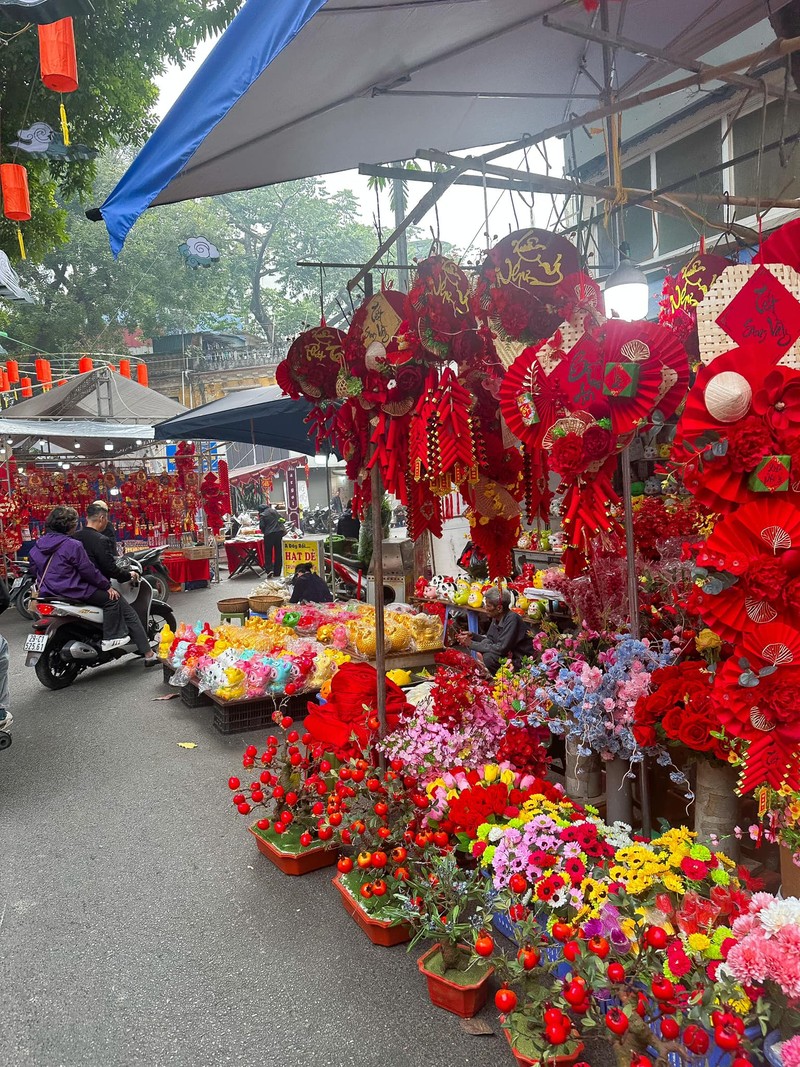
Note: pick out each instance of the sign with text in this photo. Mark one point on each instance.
(302, 550)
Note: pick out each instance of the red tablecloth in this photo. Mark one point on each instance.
(182, 570)
(237, 550)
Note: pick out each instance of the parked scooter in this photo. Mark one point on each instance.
(20, 593)
(153, 571)
(67, 637)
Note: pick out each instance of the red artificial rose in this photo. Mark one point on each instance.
(513, 319)
(598, 442)
(779, 697)
(791, 594)
(566, 457)
(765, 579)
(749, 440)
(694, 731)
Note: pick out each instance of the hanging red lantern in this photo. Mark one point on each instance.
(141, 374)
(26, 387)
(85, 364)
(16, 200)
(57, 58)
(125, 368)
(12, 367)
(43, 372)
(5, 385)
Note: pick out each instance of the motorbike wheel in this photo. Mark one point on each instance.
(22, 603)
(159, 618)
(51, 670)
(159, 586)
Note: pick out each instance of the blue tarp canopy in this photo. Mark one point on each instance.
(296, 88)
(263, 416)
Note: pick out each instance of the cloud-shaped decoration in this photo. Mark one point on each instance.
(198, 252)
(42, 140)
(10, 289)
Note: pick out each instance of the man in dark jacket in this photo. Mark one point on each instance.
(349, 525)
(271, 526)
(309, 587)
(108, 532)
(100, 552)
(508, 636)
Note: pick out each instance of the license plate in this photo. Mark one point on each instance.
(35, 642)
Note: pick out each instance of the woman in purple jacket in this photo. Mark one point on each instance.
(63, 569)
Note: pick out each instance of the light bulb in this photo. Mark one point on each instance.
(114, 491)
(77, 444)
(108, 446)
(626, 293)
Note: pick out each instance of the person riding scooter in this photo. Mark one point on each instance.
(100, 552)
(63, 569)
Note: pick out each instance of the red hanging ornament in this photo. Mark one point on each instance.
(57, 59)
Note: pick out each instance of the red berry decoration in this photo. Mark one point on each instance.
(244, 808)
(696, 1040)
(598, 946)
(656, 937)
(306, 839)
(528, 957)
(518, 883)
(251, 750)
(575, 993)
(727, 1037)
(617, 1021)
(286, 722)
(662, 988)
(263, 824)
(344, 865)
(669, 1028)
(562, 931)
(572, 950)
(233, 783)
(616, 972)
(484, 945)
(505, 1000)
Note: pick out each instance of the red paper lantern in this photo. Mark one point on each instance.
(43, 372)
(25, 387)
(14, 184)
(141, 374)
(85, 364)
(61, 381)
(5, 385)
(12, 367)
(125, 368)
(57, 59)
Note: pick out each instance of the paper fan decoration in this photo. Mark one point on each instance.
(760, 695)
(681, 296)
(753, 560)
(518, 283)
(313, 363)
(529, 400)
(440, 305)
(782, 246)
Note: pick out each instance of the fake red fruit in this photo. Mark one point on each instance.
(251, 750)
(357, 775)
(379, 888)
(306, 839)
(272, 741)
(656, 937)
(345, 836)
(484, 945)
(598, 946)
(378, 859)
(402, 874)
(344, 865)
(440, 839)
(335, 818)
(384, 833)
(344, 773)
(669, 1028)
(321, 789)
(278, 792)
(263, 824)
(244, 808)
(517, 883)
(325, 833)
(421, 840)
(554, 1017)
(373, 722)
(528, 957)
(617, 1021)
(421, 801)
(397, 765)
(557, 1035)
(278, 827)
(727, 1037)
(575, 993)
(324, 766)
(286, 721)
(616, 972)
(572, 950)
(742, 1061)
(381, 808)
(562, 931)
(318, 808)
(364, 860)
(238, 798)
(293, 736)
(291, 798)
(641, 1060)
(366, 890)
(358, 827)
(306, 738)
(641, 1005)
(265, 777)
(662, 988)
(518, 913)
(295, 759)
(291, 688)
(233, 783)
(257, 796)
(399, 854)
(373, 784)
(505, 1000)
(696, 1040)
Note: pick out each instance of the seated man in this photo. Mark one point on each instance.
(308, 586)
(100, 551)
(508, 636)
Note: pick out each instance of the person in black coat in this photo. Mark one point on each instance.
(508, 636)
(308, 586)
(271, 525)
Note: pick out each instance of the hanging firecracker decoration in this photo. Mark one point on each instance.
(16, 199)
(58, 62)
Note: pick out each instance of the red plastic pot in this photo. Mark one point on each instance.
(549, 1061)
(379, 931)
(463, 1000)
(310, 859)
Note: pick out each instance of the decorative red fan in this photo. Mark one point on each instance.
(518, 282)
(761, 709)
(530, 400)
(314, 360)
(378, 319)
(680, 297)
(439, 305)
(782, 246)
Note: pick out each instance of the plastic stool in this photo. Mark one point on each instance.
(230, 616)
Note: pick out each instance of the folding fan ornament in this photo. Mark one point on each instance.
(750, 569)
(518, 281)
(680, 296)
(754, 305)
(782, 246)
(739, 434)
(313, 364)
(760, 695)
(440, 305)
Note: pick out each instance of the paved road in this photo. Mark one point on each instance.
(140, 926)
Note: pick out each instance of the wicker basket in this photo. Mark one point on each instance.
(234, 605)
(264, 603)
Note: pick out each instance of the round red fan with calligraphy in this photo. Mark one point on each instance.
(681, 295)
(518, 283)
(314, 360)
(439, 305)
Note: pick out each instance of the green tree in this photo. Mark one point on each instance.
(122, 47)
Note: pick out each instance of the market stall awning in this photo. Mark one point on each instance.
(296, 88)
(264, 416)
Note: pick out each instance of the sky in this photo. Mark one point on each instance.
(461, 211)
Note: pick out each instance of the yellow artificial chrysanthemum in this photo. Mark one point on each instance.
(698, 942)
(672, 882)
(742, 1006)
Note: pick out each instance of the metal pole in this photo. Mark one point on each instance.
(377, 559)
(402, 241)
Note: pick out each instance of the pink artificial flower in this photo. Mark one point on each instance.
(790, 1052)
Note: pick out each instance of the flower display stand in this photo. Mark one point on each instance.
(716, 806)
(379, 931)
(582, 780)
(463, 1000)
(295, 863)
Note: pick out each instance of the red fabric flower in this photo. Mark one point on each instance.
(749, 440)
(766, 578)
(778, 400)
(779, 696)
(679, 962)
(598, 442)
(696, 870)
(567, 456)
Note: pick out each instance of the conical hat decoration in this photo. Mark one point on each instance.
(314, 360)
(518, 282)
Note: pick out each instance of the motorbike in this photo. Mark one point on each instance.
(20, 593)
(153, 571)
(67, 637)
